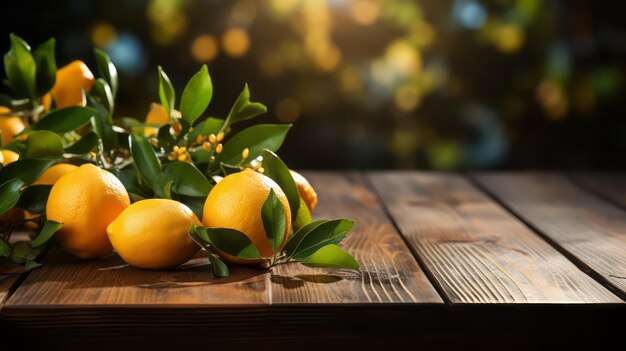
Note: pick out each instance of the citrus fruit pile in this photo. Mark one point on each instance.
(153, 190)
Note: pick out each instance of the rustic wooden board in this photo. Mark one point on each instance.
(589, 229)
(474, 249)
(390, 274)
(6, 283)
(611, 186)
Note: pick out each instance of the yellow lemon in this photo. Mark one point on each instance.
(158, 115)
(236, 201)
(9, 156)
(153, 234)
(70, 82)
(52, 174)
(306, 191)
(9, 125)
(86, 201)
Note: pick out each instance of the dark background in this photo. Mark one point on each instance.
(462, 84)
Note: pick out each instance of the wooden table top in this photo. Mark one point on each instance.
(443, 256)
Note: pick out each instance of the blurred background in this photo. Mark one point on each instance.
(433, 84)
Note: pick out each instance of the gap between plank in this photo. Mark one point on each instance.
(422, 264)
(589, 189)
(571, 257)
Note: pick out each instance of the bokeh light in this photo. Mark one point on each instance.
(204, 48)
(235, 42)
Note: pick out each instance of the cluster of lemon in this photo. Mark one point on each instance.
(96, 212)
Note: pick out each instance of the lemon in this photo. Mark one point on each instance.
(9, 125)
(68, 88)
(305, 190)
(9, 156)
(86, 201)
(153, 234)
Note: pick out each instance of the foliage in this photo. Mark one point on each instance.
(181, 159)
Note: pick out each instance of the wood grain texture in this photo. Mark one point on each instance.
(474, 249)
(591, 230)
(390, 274)
(65, 281)
(611, 186)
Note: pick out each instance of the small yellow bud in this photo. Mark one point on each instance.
(171, 157)
(212, 138)
(190, 129)
(261, 170)
(219, 148)
(220, 136)
(182, 150)
(245, 153)
(206, 146)
(182, 157)
(199, 139)
(175, 148)
(258, 166)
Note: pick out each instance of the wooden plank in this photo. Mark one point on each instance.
(611, 186)
(474, 249)
(10, 272)
(7, 281)
(65, 281)
(587, 228)
(390, 274)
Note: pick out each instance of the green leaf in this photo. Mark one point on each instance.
(167, 190)
(276, 169)
(9, 194)
(102, 124)
(5, 249)
(229, 241)
(107, 69)
(102, 91)
(19, 66)
(220, 270)
(84, 145)
(315, 236)
(303, 217)
(196, 204)
(146, 161)
(46, 66)
(274, 220)
(30, 265)
(332, 256)
(43, 144)
(34, 198)
(27, 169)
(166, 92)
(255, 138)
(210, 126)
(128, 177)
(197, 95)
(66, 119)
(244, 109)
(46, 233)
(188, 180)
(165, 137)
(21, 252)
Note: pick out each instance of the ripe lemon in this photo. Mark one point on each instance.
(306, 191)
(158, 115)
(9, 125)
(153, 234)
(9, 156)
(52, 174)
(86, 201)
(71, 80)
(236, 201)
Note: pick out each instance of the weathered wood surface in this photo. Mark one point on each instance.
(589, 229)
(474, 249)
(390, 274)
(611, 186)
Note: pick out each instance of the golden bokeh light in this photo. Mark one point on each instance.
(204, 48)
(365, 12)
(167, 19)
(235, 42)
(509, 38)
(403, 57)
(551, 96)
(407, 97)
(103, 34)
(288, 110)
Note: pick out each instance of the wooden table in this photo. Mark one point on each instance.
(448, 260)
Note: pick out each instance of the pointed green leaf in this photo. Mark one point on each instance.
(210, 126)
(29, 265)
(197, 95)
(66, 119)
(46, 233)
(46, 66)
(19, 66)
(146, 161)
(244, 109)
(331, 256)
(5, 249)
(187, 179)
(102, 92)
(166, 92)
(34, 198)
(230, 241)
(304, 245)
(274, 220)
(27, 169)
(84, 145)
(303, 217)
(9, 194)
(276, 169)
(43, 144)
(167, 190)
(107, 69)
(255, 138)
(220, 269)
(294, 241)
